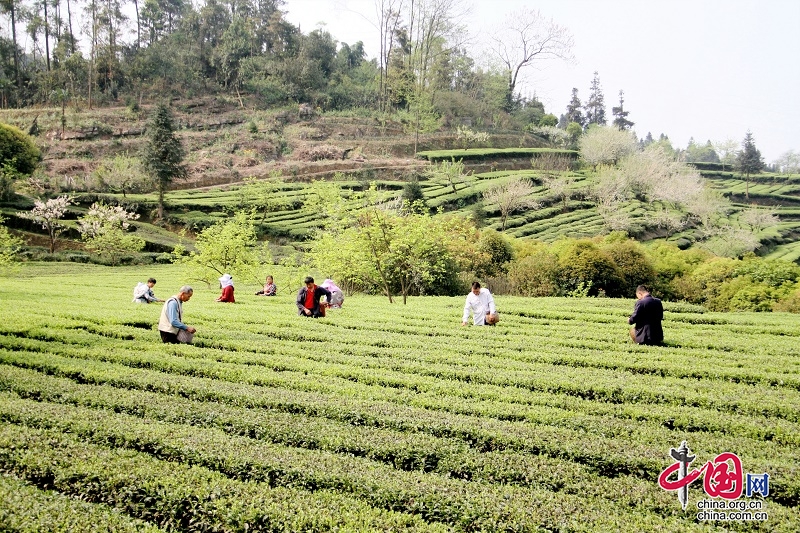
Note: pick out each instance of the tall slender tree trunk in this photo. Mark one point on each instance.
(138, 24)
(46, 36)
(14, 38)
(161, 200)
(71, 35)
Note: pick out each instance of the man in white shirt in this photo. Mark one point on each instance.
(481, 304)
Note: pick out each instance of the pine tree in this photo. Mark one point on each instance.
(621, 116)
(596, 107)
(574, 113)
(749, 160)
(163, 154)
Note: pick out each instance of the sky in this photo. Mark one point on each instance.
(702, 69)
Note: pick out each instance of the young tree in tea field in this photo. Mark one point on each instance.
(510, 197)
(228, 246)
(392, 253)
(48, 215)
(163, 154)
(105, 230)
(450, 173)
(749, 161)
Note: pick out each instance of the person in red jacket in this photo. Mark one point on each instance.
(226, 283)
(308, 299)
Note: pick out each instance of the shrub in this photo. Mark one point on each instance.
(709, 276)
(536, 274)
(743, 294)
(582, 261)
(18, 149)
(790, 304)
(498, 251)
(634, 264)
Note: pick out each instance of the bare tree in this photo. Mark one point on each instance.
(606, 145)
(509, 197)
(758, 218)
(388, 14)
(527, 36)
(560, 187)
(788, 162)
(726, 150)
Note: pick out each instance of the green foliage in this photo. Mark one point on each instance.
(548, 119)
(263, 195)
(743, 294)
(498, 252)
(18, 150)
(414, 196)
(749, 160)
(790, 304)
(406, 254)
(228, 246)
(450, 173)
(9, 246)
(162, 157)
(537, 273)
(631, 258)
(104, 228)
(123, 174)
(586, 267)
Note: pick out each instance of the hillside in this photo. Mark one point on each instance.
(228, 144)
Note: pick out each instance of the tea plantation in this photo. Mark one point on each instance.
(378, 417)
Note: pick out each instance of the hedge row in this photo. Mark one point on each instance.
(492, 153)
(26, 509)
(435, 498)
(183, 497)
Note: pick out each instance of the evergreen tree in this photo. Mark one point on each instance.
(621, 116)
(574, 113)
(749, 160)
(596, 107)
(163, 154)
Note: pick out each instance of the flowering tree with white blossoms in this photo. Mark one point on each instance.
(105, 230)
(48, 214)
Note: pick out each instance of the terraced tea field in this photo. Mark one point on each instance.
(379, 417)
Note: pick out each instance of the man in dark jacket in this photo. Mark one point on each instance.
(647, 315)
(308, 299)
